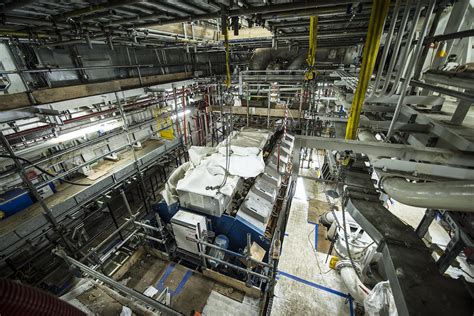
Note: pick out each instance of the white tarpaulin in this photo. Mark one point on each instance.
(247, 166)
(211, 164)
(197, 153)
(197, 179)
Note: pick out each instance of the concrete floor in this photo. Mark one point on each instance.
(306, 285)
(190, 292)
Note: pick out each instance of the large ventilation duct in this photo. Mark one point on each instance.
(449, 195)
(263, 57)
(298, 63)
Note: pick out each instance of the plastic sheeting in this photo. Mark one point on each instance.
(380, 301)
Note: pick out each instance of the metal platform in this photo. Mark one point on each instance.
(30, 224)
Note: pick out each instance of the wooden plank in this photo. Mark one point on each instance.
(137, 255)
(21, 100)
(236, 284)
(152, 80)
(13, 101)
(73, 92)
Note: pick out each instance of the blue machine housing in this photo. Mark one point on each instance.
(14, 201)
(235, 228)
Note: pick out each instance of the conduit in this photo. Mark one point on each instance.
(448, 195)
(371, 48)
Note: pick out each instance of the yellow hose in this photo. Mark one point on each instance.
(369, 55)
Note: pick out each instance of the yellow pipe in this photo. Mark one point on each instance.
(369, 55)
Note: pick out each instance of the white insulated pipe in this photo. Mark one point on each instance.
(445, 195)
(449, 195)
(356, 288)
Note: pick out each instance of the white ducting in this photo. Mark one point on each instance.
(449, 195)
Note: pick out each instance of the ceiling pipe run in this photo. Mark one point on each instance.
(260, 10)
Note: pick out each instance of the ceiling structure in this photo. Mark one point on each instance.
(46, 21)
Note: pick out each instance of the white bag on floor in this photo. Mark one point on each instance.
(380, 301)
(126, 311)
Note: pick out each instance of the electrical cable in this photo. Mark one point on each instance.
(467, 273)
(43, 170)
(313, 247)
(347, 243)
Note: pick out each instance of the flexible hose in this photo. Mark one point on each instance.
(17, 299)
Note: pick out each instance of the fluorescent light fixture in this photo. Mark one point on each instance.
(102, 127)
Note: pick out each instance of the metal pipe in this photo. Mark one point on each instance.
(229, 252)
(106, 240)
(127, 205)
(406, 51)
(305, 12)
(426, 48)
(449, 195)
(9, 72)
(147, 226)
(236, 267)
(153, 238)
(117, 285)
(117, 246)
(388, 42)
(449, 36)
(396, 47)
(453, 93)
(411, 65)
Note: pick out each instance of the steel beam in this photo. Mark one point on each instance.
(422, 170)
(405, 152)
(283, 7)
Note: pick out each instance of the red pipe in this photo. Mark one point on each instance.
(28, 131)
